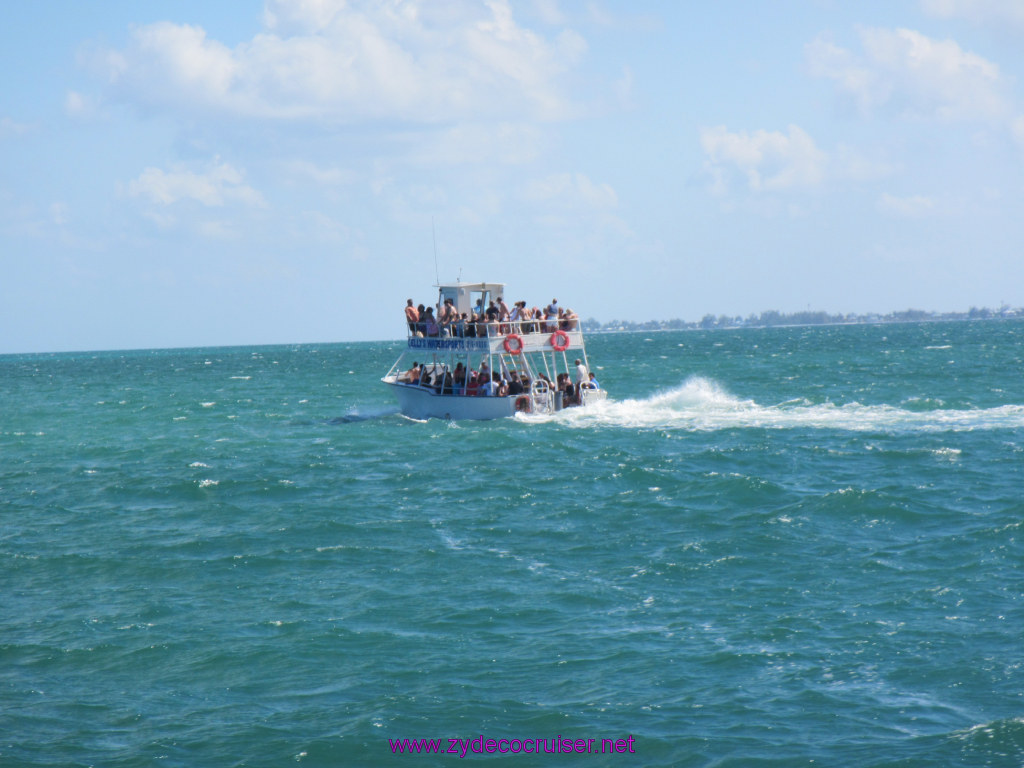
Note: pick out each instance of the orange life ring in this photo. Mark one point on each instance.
(518, 344)
(560, 341)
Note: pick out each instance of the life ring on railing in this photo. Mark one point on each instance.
(514, 344)
(560, 341)
(523, 403)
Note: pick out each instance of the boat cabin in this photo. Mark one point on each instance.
(468, 296)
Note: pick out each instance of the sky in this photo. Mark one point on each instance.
(291, 171)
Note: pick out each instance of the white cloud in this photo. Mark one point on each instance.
(303, 15)
(913, 75)
(59, 213)
(912, 207)
(319, 227)
(506, 143)
(218, 230)
(75, 104)
(768, 160)
(571, 190)
(549, 11)
(849, 163)
(1017, 128)
(349, 61)
(995, 12)
(220, 185)
(623, 87)
(10, 127)
(325, 176)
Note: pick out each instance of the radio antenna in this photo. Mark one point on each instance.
(433, 232)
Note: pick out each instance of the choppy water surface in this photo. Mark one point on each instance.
(773, 547)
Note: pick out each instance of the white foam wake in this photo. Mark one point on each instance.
(701, 404)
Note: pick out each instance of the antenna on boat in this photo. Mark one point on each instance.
(433, 232)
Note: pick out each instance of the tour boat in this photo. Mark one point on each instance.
(544, 360)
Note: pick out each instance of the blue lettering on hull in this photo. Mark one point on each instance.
(456, 345)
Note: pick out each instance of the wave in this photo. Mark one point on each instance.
(368, 414)
(701, 404)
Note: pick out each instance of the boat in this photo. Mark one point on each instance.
(460, 369)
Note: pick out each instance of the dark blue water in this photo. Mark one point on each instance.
(774, 547)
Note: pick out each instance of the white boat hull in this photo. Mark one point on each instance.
(425, 403)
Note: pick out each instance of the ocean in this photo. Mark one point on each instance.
(771, 547)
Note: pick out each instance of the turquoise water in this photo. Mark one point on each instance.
(779, 547)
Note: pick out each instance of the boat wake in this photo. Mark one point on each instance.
(701, 404)
(357, 415)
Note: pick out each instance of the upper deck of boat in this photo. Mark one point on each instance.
(528, 336)
(538, 334)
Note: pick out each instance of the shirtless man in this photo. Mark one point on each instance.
(447, 317)
(526, 314)
(503, 315)
(411, 315)
(571, 321)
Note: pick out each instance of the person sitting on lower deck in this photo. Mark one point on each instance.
(515, 386)
(444, 384)
(567, 389)
(491, 387)
(459, 379)
(592, 383)
(412, 376)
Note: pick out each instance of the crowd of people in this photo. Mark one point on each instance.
(487, 383)
(494, 320)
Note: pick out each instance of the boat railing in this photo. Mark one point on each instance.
(492, 330)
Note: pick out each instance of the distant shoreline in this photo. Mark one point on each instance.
(775, 319)
(708, 322)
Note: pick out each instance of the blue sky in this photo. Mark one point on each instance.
(198, 174)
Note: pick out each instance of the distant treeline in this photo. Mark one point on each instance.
(774, 318)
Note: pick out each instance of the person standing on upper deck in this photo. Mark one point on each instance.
(447, 317)
(412, 316)
(430, 327)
